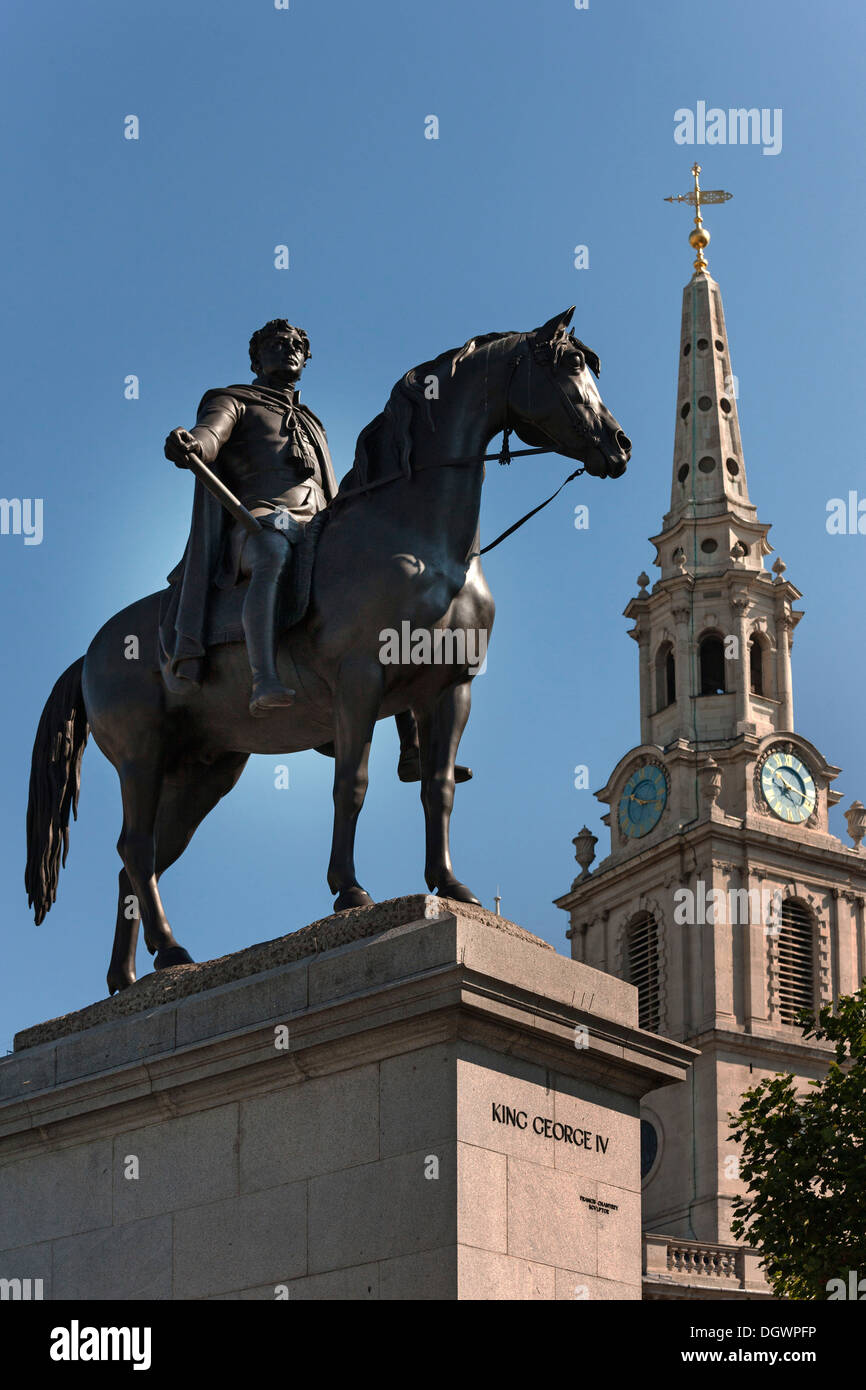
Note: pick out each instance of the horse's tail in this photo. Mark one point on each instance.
(55, 778)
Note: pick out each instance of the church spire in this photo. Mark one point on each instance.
(709, 471)
(714, 632)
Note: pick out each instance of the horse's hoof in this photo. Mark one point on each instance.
(119, 981)
(459, 892)
(172, 955)
(352, 897)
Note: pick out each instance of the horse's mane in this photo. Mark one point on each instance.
(384, 446)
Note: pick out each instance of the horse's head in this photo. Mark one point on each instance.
(554, 401)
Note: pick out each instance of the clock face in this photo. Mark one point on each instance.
(789, 787)
(643, 801)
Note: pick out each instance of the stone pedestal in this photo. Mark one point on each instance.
(417, 1100)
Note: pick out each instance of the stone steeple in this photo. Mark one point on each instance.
(716, 622)
(709, 472)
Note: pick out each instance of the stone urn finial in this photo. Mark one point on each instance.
(584, 851)
(779, 569)
(643, 580)
(711, 781)
(856, 818)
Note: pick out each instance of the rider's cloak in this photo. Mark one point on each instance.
(204, 567)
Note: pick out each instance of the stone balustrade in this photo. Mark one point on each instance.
(676, 1268)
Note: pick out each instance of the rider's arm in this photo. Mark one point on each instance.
(217, 416)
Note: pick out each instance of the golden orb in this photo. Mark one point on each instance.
(699, 238)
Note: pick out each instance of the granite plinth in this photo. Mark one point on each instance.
(417, 1100)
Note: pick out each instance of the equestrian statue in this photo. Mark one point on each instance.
(276, 631)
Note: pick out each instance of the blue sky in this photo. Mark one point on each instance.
(305, 127)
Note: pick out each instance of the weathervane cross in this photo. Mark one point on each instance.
(699, 237)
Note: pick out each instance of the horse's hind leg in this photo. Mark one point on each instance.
(440, 731)
(188, 794)
(141, 782)
(121, 969)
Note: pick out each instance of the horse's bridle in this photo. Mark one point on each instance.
(540, 353)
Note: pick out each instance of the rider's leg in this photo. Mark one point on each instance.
(409, 766)
(266, 557)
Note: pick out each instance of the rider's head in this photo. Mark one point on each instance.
(279, 351)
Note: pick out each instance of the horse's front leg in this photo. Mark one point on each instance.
(356, 706)
(440, 732)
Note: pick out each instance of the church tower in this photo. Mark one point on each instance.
(725, 898)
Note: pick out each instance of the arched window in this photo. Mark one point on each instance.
(666, 676)
(712, 659)
(643, 969)
(756, 665)
(796, 948)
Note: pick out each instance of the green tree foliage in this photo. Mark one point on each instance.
(804, 1161)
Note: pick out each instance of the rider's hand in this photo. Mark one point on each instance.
(179, 445)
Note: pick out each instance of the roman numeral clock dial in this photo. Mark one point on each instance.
(788, 787)
(643, 801)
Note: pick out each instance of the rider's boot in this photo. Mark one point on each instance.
(409, 765)
(261, 618)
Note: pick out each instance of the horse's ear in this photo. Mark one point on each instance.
(591, 357)
(555, 327)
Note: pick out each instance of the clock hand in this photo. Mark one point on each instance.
(790, 785)
(794, 787)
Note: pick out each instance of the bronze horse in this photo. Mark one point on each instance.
(400, 545)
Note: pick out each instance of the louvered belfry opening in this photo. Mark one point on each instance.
(756, 666)
(712, 662)
(643, 969)
(666, 676)
(796, 960)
